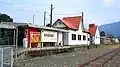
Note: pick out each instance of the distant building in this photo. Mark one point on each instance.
(76, 34)
(94, 34)
(116, 40)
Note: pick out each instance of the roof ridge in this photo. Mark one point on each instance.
(72, 17)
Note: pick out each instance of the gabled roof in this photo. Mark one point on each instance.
(92, 29)
(68, 24)
(72, 22)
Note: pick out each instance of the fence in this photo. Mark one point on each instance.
(6, 57)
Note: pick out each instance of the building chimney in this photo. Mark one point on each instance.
(91, 25)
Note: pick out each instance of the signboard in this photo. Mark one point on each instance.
(49, 36)
(35, 37)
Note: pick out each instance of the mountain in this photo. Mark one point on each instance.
(112, 28)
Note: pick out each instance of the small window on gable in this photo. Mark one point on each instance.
(60, 23)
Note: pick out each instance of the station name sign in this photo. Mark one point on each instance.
(49, 35)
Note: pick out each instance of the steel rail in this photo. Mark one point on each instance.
(104, 58)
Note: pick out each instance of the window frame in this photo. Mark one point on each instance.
(73, 36)
(84, 37)
(88, 39)
(79, 37)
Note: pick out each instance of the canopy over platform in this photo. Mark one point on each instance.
(7, 26)
(16, 24)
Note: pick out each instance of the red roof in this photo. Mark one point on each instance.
(92, 29)
(72, 22)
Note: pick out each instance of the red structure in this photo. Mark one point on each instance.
(33, 37)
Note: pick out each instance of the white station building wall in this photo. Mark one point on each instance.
(68, 38)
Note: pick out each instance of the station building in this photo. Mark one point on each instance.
(77, 34)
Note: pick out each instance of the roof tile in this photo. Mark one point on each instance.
(92, 29)
(72, 22)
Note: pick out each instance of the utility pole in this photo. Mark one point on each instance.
(44, 17)
(51, 10)
(82, 20)
(33, 18)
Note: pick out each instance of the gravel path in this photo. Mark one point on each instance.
(114, 62)
(66, 59)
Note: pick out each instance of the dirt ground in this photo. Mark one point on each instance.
(72, 59)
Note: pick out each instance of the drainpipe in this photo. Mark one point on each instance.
(87, 38)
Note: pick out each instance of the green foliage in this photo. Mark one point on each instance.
(5, 18)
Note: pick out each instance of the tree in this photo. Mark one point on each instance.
(5, 18)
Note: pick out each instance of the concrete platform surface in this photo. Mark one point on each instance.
(67, 59)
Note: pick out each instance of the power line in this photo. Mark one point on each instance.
(5, 2)
(29, 11)
(13, 2)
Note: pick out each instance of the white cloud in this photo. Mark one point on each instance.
(108, 2)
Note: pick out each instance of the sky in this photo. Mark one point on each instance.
(95, 11)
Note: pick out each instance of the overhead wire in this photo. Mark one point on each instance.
(41, 12)
(5, 2)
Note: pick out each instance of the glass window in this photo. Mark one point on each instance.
(84, 37)
(73, 36)
(88, 39)
(79, 37)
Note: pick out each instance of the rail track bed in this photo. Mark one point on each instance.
(110, 59)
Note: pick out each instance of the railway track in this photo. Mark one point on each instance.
(102, 61)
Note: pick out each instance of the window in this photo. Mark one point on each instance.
(84, 37)
(88, 39)
(73, 36)
(60, 23)
(79, 37)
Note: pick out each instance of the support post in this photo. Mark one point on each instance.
(2, 57)
(44, 17)
(16, 43)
